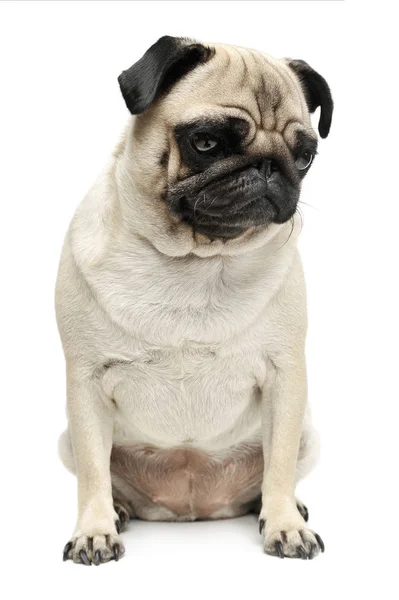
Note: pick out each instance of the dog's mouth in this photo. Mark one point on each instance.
(227, 220)
(232, 196)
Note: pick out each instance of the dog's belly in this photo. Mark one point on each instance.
(185, 483)
(187, 433)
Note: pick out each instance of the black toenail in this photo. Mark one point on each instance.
(115, 549)
(66, 550)
(302, 552)
(319, 541)
(279, 549)
(261, 525)
(84, 558)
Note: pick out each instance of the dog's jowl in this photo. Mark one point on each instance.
(181, 302)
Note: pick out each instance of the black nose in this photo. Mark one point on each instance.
(266, 166)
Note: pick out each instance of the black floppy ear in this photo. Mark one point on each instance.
(161, 66)
(317, 93)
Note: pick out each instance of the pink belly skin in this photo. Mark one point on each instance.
(187, 484)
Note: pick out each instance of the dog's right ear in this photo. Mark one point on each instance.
(162, 65)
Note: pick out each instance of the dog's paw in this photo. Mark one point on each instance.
(294, 543)
(94, 550)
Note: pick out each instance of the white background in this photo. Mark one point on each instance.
(61, 114)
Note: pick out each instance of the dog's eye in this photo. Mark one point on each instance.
(304, 161)
(203, 142)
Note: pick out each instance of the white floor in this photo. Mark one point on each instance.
(219, 559)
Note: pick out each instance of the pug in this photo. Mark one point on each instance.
(181, 307)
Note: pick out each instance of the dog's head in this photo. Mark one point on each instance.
(223, 137)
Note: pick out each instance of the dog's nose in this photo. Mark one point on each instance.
(266, 166)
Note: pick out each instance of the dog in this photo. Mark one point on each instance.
(181, 307)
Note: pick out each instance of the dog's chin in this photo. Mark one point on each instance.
(255, 214)
(219, 231)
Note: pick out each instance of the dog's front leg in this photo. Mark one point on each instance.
(283, 405)
(91, 422)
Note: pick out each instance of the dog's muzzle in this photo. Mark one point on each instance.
(233, 195)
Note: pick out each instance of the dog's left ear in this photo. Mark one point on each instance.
(317, 93)
(168, 60)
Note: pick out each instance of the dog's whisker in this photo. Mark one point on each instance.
(195, 204)
(307, 204)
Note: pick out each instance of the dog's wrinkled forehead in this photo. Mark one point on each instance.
(240, 83)
(180, 80)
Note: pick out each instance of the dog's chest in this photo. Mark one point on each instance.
(193, 359)
(166, 302)
(186, 394)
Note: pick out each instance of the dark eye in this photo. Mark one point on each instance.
(304, 161)
(203, 142)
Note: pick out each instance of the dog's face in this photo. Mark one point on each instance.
(223, 137)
